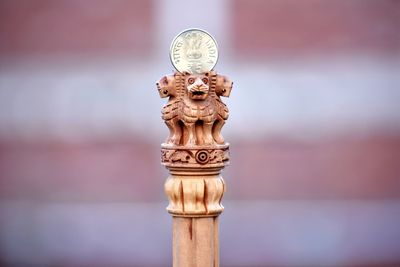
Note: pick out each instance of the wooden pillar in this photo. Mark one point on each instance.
(195, 241)
(194, 154)
(195, 195)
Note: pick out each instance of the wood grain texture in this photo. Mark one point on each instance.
(195, 196)
(195, 242)
(195, 153)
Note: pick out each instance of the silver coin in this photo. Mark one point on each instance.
(194, 51)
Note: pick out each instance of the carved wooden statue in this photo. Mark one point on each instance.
(195, 113)
(195, 152)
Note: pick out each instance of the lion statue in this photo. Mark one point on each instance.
(194, 113)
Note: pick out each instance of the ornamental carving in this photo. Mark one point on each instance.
(195, 151)
(193, 196)
(194, 113)
(195, 156)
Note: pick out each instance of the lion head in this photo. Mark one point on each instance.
(166, 86)
(223, 86)
(197, 86)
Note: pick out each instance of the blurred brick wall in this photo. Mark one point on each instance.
(44, 27)
(345, 166)
(340, 168)
(314, 27)
(116, 158)
(113, 170)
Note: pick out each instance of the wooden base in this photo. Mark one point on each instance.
(195, 242)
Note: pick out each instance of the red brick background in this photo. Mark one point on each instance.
(73, 27)
(314, 27)
(80, 177)
(340, 168)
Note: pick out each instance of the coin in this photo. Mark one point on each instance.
(194, 51)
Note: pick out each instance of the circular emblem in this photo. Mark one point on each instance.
(194, 51)
(202, 156)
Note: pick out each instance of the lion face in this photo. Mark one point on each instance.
(223, 87)
(166, 86)
(197, 86)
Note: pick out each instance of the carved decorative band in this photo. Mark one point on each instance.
(215, 156)
(195, 196)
